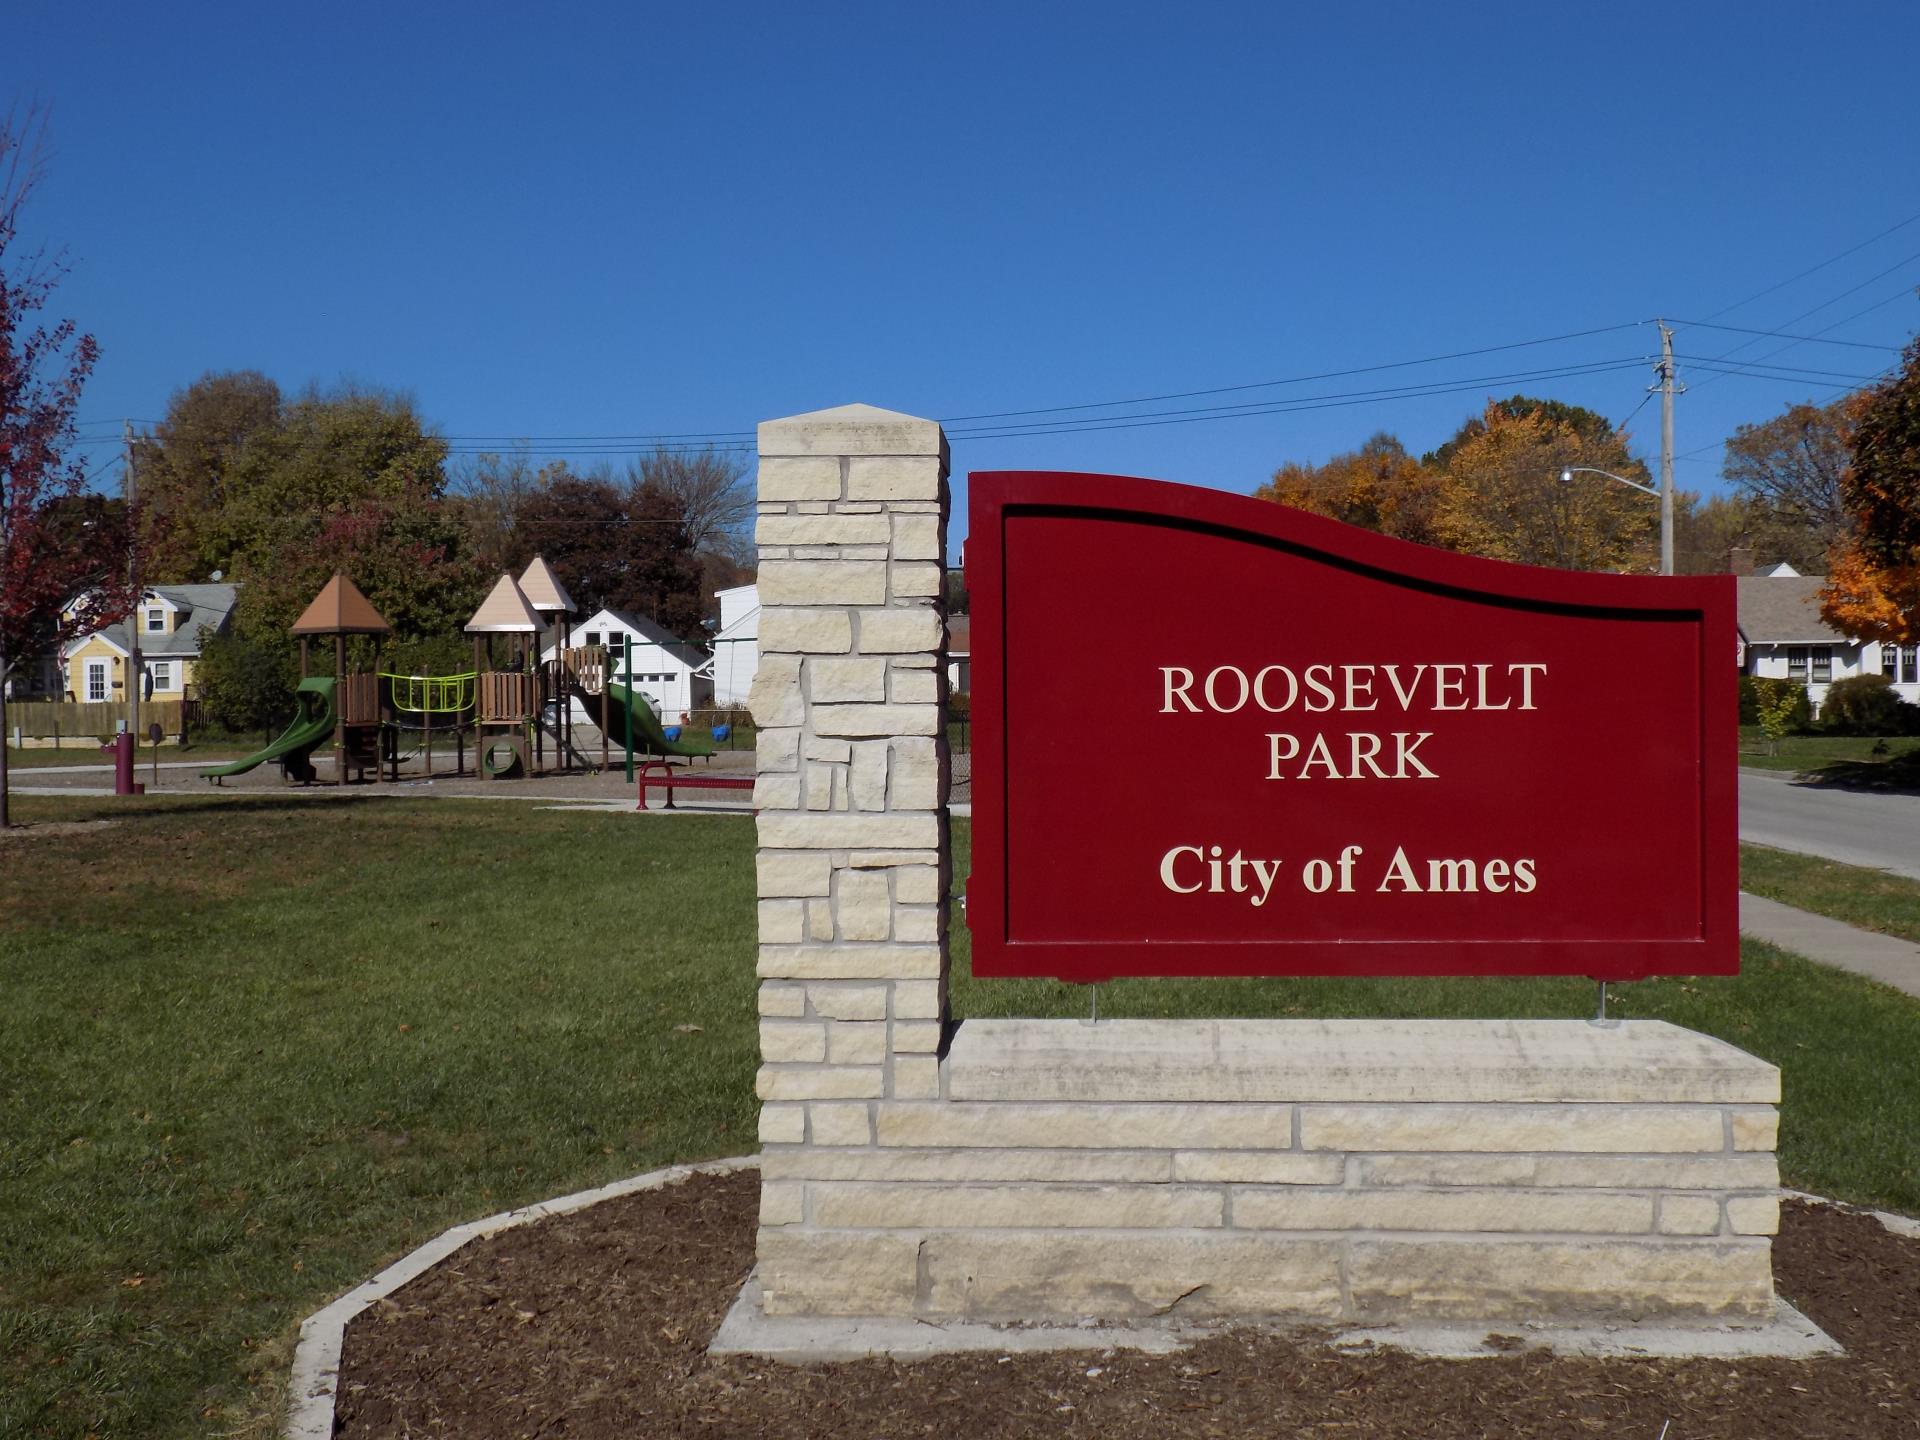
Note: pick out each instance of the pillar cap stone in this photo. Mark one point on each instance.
(853, 430)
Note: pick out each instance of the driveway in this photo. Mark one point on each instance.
(1853, 827)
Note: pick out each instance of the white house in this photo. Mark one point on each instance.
(665, 668)
(736, 646)
(1782, 636)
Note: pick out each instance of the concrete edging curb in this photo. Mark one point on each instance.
(316, 1360)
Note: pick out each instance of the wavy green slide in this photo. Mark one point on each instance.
(312, 727)
(633, 724)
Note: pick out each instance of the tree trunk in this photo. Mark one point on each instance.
(5, 670)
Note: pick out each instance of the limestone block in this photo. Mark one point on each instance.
(813, 1272)
(867, 780)
(802, 1041)
(841, 1124)
(894, 477)
(874, 1206)
(914, 579)
(776, 792)
(916, 924)
(1689, 1215)
(1626, 1172)
(823, 785)
(1753, 1214)
(916, 537)
(825, 552)
(1016, 1276)
(1643, 1128)
(775, 697)
(777, 750)
(794, 873)
(862, 507)
(852, 430)
(849, 962)
(1145, 1167)
(916, 774)
(1578, 1212)
(856, 1042)
(861, 906)
(916, 884)
(847, 832)
(835, 679)
(782, 1203)
(862, 720)
(1259, 1167)
(886, 632)
(848, 1002)
(782, 478)
(887, 859)
(1496, 1278)
(913, 687)
(1756, 1129)
(782, 922)
(789, 1001)
(801, 507)
(823, 529)
(820, 920)
(783, 1124)
(828, 752)
(823, 582)
(819, 1082)
(918, 1000)
(805, 632)
(1156, 1127)
(916, 1077)
(916, 1037)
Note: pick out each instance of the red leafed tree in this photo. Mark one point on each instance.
(58, 574)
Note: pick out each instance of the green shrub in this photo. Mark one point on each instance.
(246, 687)
(1757, 691)
(1866, 705)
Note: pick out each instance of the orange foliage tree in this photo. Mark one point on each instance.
(1873, 582)
(1378, 487)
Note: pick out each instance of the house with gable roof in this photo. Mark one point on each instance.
(173, 623)
(1783, 636)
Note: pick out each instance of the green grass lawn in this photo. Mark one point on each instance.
(92, 754)
(255, 1048)
(1811, 752)
(1871, 899)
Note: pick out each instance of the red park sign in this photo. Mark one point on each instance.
(1216, 736)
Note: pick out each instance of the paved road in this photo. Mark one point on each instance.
(1852, 827)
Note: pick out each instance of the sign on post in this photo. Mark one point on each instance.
(1215, 736)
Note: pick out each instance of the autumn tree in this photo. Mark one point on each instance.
(1873, 587)
(1792, 467)
(196, 471)
(710, 488)
(627, 547)
(1378, 487)
(1505, 498)
(59, 575)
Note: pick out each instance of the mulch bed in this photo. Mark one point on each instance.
(595, 1324)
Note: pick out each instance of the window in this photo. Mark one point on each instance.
(1822, 664)
(1797, 662)
(1910, 664)
(162, 673)
(593, 637)
(96, 680)
(1890, 661)
(156, 618)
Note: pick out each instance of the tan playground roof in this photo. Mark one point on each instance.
(340, 609)
(505, 611)
(543, 589)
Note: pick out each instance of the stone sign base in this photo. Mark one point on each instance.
(1343, 1171)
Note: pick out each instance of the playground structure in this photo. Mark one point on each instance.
(519, 700)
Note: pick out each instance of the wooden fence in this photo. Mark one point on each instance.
(80, 721)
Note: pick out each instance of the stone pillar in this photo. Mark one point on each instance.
(852, 778)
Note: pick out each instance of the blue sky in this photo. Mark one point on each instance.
(628, 220)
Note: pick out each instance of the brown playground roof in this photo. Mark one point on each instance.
(340, 609)
(505, 611)
(543, 589)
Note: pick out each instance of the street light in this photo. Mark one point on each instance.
(1660, 493)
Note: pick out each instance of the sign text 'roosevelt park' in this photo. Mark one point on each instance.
(1214, 736)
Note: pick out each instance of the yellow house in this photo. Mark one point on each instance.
(173, 622)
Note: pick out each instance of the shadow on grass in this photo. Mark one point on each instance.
(1897, 776)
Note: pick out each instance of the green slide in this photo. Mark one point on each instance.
(312, 727)
(633, 724)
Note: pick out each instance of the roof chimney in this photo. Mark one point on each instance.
(1740, 560)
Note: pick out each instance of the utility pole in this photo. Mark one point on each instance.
(1667, 388)
(134, 620)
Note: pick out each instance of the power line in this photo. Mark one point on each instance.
(1850, 290)
(1782, 335)
(1851, 250)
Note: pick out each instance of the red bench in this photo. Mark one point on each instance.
(672, 780)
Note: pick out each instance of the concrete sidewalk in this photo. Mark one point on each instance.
(1833, 942)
